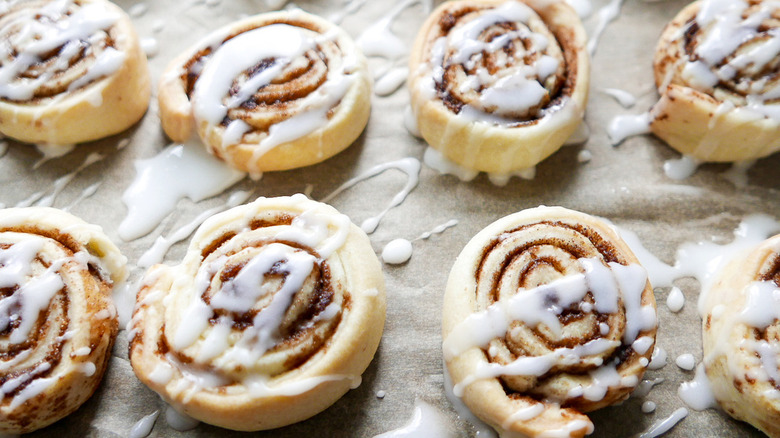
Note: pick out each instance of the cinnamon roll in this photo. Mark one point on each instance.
(57, 320)
(499, 85)
(741, 334)
(274, 91)
(547, 315)
(274, 313)
(70, 71)
(716, 68)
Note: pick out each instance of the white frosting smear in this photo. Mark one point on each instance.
(426, 422)
(665, 425)
(179, 171)
(143, 427)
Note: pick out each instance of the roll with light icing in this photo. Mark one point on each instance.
(274, 91)
(499, 85)
(57, 320)
(547, 315)
(741, 334)
(71, 71)
(716, 68)
(274, 313)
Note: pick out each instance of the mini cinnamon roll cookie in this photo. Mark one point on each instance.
(716, 68)
(547, 315)
(70, 71)
(274, 91)
(275, 311)
(57, 320)
(741, 334)
(499, 85)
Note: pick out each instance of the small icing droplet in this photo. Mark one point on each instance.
(686, 361)
(648, 407)
(397, 251)
(675, 301)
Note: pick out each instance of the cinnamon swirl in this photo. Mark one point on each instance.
(716, 67)
(275, 311)
(57, 321)
(274, 91)
(547, 315)
(70, 71)
(499, 85)
(741, 334)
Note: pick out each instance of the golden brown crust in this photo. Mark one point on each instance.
(516, 263)
(522, 138)
(316, 347)
(53, 359)
(66, 108)
(736, 352)
(330, 78)
(712, 122)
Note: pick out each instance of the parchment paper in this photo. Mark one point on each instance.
(625, 184)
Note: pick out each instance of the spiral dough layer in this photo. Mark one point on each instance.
(499, 85)
(271, 92)
(547, 314)
(274, 313)
(741, 334)
(716, 67)
(57, 321)
(70, 71)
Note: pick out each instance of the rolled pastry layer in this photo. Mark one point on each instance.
(274, 313)
(716, 68)
(741, 335)
(57, 320)
(547, 315)
(499, 85)
(70, 71)
(271, 92)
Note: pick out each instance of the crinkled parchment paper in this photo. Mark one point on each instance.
(625, 184)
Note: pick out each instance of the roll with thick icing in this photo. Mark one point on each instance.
(71, 71)
(274, 313)
(499, 85)
(547, 315)
(274, 91)
(716, 68)
(57, 320)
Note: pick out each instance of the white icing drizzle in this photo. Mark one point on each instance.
(150, 46)
(665, 425)
(648, 407)
(584, 156)
(86, 193)
(143, 427)
(686, 361)
(161, 246)
(397, 251)
(178, 421)
(178, 171)
(435, 160)
(47, 28)
(380, 394)
(697, 393)
(61, 182)
(623, 97)
(410, 166)
(622, 127)
(738, 173)
(244, 51)
(645, 386)
(426, 421)
(606, 15)
(675, 300)
(349, 8)
(681, 168)
(52, 151)
(606, 284)
(580, 136)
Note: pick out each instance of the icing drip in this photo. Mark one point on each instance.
(426, 421)
(666, 424)
(607, 14)
(143, 427)
(410, 166)
(180, 170)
